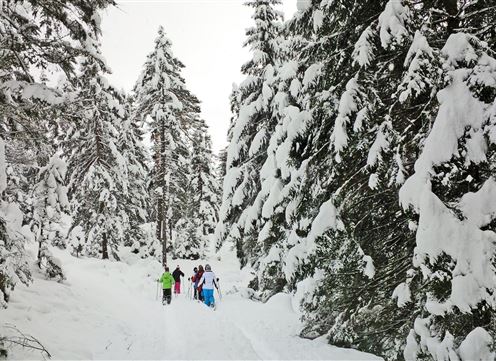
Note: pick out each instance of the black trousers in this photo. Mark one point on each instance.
(167, 295)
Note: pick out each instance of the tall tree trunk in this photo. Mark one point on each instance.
(451, 8)
(161, 228)
(105, 254)
(39, 253)
(161, 206)
(164, 232)
(40, 244)
(166, 222)
(3, 287)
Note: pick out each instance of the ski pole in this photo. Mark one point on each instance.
(218, 290)
(156, 293)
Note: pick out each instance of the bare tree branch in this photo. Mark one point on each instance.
(23, 340)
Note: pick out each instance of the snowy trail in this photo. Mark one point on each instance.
(109, 310)
(195, 332)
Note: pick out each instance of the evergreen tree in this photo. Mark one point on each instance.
(449, 191)
(134, 201)
(249, 132)
(36, 37)
(163, 98)
(282, 173)
(13, 260)
(358, 244)
(96, 168)
(50, 203)
(204, 187)
(359, 257)
(356, 106)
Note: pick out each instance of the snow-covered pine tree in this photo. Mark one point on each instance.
(382, 113)
(221, 233)
(186, 227)
(452, 194)
(253, 124)
(36, 37)
(135, 201)
(286, 150)
(310, 215)
(314, 239)
(283, 171)
(96, 168)
(50, 203)
(13, 261)
(164, 101)
(203, 189)
(357, 245)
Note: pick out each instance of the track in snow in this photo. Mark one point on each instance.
(109, 310)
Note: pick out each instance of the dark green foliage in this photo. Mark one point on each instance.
(365, 94)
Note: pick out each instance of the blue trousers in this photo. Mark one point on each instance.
(208, 296)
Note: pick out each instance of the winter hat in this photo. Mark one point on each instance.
(207, 267)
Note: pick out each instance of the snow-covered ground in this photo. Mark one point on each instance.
(109, 310)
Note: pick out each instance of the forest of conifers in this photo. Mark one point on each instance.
(359, 171)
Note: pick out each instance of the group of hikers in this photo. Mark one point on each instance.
(203, 282)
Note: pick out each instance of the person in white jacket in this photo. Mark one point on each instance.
(208, 281)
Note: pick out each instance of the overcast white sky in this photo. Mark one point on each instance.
(207, 36)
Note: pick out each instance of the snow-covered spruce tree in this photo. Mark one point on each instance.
(50, 202)
(452, 192)
(36, 36)
(357, 245)
(396, 81)
(163, 101)
(135, 200)
(187, 228)
(311, 215)
(283, 172)
(315, 239)
(360, 257)
(96, 168)
(253, 124)
(222, 233)
(203, 191)
(13, 262)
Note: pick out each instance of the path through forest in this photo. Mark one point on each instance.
(109, 310)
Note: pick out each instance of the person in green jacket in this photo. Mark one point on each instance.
(167, 281)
